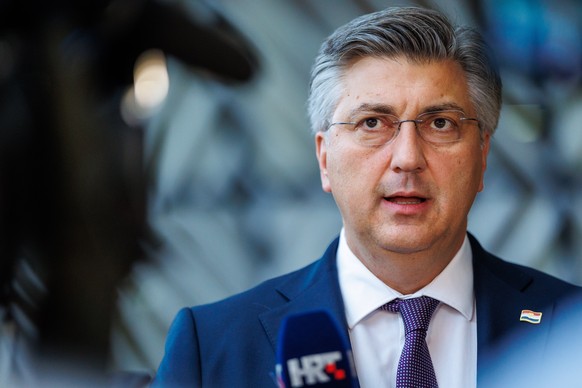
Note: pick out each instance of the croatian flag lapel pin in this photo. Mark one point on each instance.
(530, 316)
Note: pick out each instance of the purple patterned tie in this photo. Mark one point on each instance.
(415, 369)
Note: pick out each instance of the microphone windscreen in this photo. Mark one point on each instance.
(313, 352)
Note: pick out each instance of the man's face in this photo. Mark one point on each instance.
(408, 196)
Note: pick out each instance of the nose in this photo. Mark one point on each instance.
(407, 151)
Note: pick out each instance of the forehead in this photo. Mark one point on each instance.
(406, 87)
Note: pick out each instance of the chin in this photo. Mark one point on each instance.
(406, 241)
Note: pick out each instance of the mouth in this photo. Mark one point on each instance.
(406, 200)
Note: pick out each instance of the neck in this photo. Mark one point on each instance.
(407, 272)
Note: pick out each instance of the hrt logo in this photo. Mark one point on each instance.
(315, 368)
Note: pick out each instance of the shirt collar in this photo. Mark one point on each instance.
(364, 293)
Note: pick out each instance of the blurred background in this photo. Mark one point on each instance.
(156, 154)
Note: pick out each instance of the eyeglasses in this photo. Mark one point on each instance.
(438, 127)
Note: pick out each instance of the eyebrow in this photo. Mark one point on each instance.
(389, 109)
(444, 106)
(376, 108)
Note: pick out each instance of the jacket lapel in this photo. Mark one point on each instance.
(313, 288)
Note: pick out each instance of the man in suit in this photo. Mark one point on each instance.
(403, 106)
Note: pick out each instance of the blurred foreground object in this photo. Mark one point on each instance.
(72, 186)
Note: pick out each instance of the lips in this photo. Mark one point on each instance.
(405, 200)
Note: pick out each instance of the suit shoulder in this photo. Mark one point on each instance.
(274, 291)
(542, 278)
(261, 297)
(522, 277)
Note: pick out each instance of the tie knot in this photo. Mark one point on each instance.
(416, 312)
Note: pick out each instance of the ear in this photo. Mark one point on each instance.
(484, 153)
(321, 139)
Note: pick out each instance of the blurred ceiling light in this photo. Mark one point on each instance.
(151, 81)
(150, 87)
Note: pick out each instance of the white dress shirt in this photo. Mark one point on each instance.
(377, 336)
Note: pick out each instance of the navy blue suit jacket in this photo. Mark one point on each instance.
(232, 343)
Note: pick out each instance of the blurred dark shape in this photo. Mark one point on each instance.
(112, 34)
(72, 187)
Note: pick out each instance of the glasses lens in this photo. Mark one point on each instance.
(374, 130)
(440, 127)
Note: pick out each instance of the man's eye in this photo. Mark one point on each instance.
(442, 123)
(371, 123)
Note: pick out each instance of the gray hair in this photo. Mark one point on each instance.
(420, 35)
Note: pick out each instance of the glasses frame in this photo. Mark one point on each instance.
(416, 121)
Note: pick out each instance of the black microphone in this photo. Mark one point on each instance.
(314, 352)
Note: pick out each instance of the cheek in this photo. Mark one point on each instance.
(465, 179)
(454, 173)
(339, 160)
(352, 167)
(350, 174)
(340, 172)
